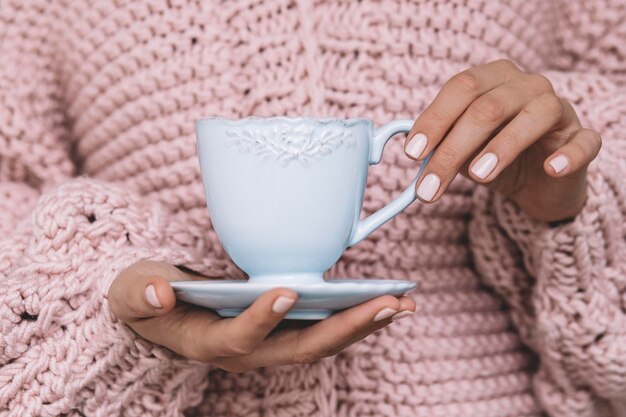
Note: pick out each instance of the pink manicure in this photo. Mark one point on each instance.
(384, 314)
(428, 187)
(559, 163)
(282, 304)
(416, 145)
(151, 296)
(485, 165)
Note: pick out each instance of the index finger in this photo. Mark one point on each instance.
(451, 102)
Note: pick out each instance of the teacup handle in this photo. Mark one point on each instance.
(379, 140)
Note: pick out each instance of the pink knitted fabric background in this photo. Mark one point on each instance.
(98, 169)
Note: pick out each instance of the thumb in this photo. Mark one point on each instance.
(139, 293)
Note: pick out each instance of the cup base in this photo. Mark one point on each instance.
(288, 279)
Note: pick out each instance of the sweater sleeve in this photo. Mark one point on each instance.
(63, 239)
(61, 350)
(566, 285)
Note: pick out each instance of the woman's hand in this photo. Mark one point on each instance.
(142, 297)
(505, 128)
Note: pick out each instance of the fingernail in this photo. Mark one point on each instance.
(152, 297)
(401, 314)
(384, 313)
(559, 163)
(416, 145)
(428, 187)
(483, 167)
(282, 304)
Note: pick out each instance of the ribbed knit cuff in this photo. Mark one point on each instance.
(591, 235)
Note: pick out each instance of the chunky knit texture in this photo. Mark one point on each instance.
(98, 169)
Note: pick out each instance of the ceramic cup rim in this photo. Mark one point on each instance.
(319, 121)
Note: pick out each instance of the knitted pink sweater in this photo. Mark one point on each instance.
(514, 318)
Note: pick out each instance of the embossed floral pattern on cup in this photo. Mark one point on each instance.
(287, 142)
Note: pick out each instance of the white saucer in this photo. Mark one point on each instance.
(316, 301)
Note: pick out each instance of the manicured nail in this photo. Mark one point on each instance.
(483, 167)
(428, 187)
(559, 163)
(152, 297)
(416, 145)
(402, 314)
(282, 304)
(384, 313)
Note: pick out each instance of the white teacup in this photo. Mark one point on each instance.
(285, 194)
